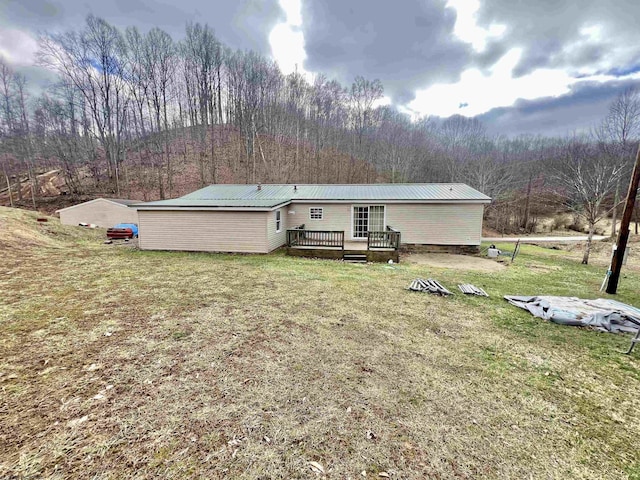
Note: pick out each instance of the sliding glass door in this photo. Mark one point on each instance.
(368, 218)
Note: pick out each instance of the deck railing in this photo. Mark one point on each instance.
(315, 238)
(389, 238)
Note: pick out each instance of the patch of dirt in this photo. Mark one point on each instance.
(540, 267)
(456, 262)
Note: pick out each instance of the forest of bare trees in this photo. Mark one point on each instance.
(141, 115)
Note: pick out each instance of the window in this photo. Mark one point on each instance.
(367, 219)
(278, 221)
(315, 213)
(360, 222)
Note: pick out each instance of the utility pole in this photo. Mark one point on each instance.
(623, 234)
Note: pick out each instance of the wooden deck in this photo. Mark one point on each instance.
(378, 247)
(348, 245)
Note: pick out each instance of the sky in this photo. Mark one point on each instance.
(548, 67)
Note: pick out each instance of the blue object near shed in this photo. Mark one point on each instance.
(132, 226)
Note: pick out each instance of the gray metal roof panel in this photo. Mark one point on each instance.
(249, 196)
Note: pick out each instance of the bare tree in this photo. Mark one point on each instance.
(7, 126)
(620, 127)
(364, 93)
(588, 174)
(93, 60)
(23, 133)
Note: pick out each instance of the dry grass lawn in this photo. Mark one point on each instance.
(116, 363)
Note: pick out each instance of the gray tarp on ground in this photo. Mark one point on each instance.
(603, 314)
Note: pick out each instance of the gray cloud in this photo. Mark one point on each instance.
(584, 107)
(244, 24)
(406, 45)
(549, 32)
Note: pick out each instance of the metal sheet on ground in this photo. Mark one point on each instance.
(602, 314)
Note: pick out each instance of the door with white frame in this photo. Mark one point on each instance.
(367, 218)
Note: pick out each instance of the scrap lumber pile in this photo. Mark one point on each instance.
(470, 289)
(430, 286)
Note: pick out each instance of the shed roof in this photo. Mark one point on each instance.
(120, 201)
(270, 196)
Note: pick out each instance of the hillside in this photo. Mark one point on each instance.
(196, 159)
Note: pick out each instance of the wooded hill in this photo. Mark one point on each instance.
(141, 115)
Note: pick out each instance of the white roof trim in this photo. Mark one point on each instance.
(215, 209)
(380, 202)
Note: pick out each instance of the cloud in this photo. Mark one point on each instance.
(509, 63)
(244, 24)
(17, 47)
(481, 92)
(535, 50)
(406, 46)
(584, 106)
(585, 37)
(287, 40)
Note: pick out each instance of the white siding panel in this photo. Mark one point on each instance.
(231, 231)
(101, 212)
(437, 224)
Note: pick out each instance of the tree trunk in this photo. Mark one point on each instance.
(587, 248)
(527, 207)
(214, 169)
(6, 177)
(19, 183)
(34, 186)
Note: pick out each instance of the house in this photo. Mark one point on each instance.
(104, 212)
(369, 221)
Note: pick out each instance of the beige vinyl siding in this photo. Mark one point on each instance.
(277, 239)
(335, 216)
(432, 223)
(100, 212)
(204, 231)
(437, 224)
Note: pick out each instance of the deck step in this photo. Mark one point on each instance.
(355, 257)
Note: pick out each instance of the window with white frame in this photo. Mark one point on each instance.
(369, 218)
(315, 213)
(278, 221)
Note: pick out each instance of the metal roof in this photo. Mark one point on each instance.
(269, 196)
(122, 201)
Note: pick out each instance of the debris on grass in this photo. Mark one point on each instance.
(469, 289)
(234, 441)
(602, 314)
(316, 468)
(428, 286)
(77, 421)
